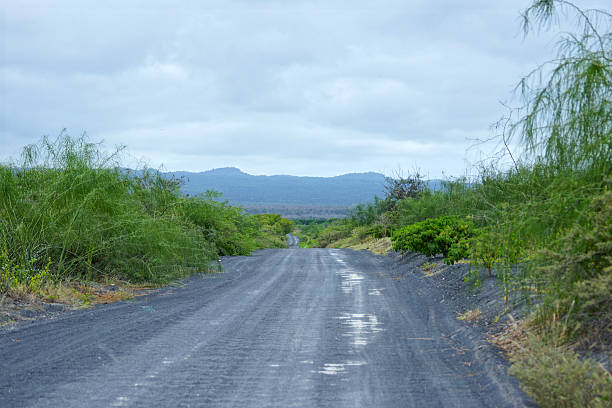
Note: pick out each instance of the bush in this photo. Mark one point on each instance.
(434, 236)
(324, 233)
(579, 268)
(556, 377)
(273, 230)
(377, 230)
(69, 202)
(332, 234)
(459, 250)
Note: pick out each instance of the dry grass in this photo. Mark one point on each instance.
(85, 294)
(549, 370)
(21, 303)
(378, 246)
(433, 268)
(510, 338)
(471, 315)
(21, 293)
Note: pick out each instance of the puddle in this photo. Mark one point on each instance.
(120, 401)
(350, 279)
(375, 292)
(339, 368)
(332, 369)
(360, 326)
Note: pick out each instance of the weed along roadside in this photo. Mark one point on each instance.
(78, 229)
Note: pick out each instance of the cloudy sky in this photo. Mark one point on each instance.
(273, 87)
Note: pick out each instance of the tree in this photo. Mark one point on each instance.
(399, 187)
(566, 120)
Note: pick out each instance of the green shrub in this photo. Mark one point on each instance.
(323, 233)
(434, 236)
(485, 250)
(272, 230)
(332, 234)
(578, 268)
(555, 377)
(377, 230)
(68, 202)
(361, 233)
(458, 251)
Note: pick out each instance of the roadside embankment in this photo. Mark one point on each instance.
(548, 368)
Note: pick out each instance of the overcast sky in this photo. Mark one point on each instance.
(297, 87)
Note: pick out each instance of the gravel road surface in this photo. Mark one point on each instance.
(281, 328)
(292, 241)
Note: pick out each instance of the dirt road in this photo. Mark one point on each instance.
(282, 328)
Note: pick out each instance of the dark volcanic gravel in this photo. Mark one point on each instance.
(451, 282)
(281, 328)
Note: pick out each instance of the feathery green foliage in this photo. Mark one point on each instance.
(567, 119)
(70, 203)
(556, 377)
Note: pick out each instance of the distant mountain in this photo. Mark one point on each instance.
(246, 190)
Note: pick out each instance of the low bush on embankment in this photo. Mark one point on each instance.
(442, 235)
(69, 212)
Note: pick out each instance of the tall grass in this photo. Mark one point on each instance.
(70, 203)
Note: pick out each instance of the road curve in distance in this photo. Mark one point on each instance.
(292, 241)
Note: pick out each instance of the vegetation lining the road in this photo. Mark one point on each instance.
(543, 228)
(69, 212)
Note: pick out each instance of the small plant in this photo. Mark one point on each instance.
(470, 315)
(428, 266)
(485, 250)
(23, 277)
(472, 278)
(85, 298)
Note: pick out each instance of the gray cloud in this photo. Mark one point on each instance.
(301, 87)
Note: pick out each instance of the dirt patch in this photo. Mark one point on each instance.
(15, 310)
(56, 300)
